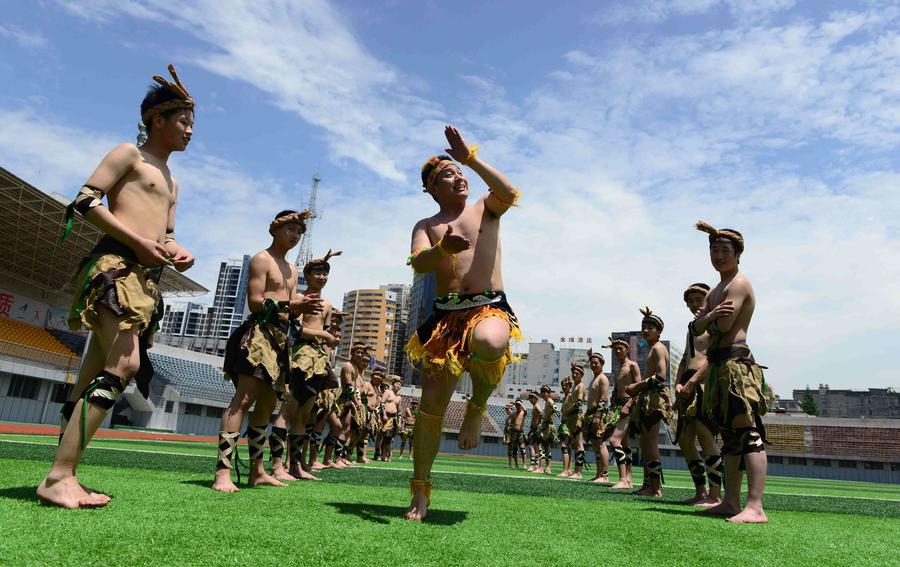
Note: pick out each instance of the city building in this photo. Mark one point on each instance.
(370, 319)
(875, 402)
(421, 300)
(401, 320)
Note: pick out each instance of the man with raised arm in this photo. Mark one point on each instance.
(472, 324)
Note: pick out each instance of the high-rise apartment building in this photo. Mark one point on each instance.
(397, 362)
(370, 319)
(421, 302)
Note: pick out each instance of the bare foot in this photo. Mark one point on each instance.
(547, 470)
(301, 474)
(283, 475)
(723, 509)
(564, 474)
(223, 482)
(693, 500)
(749, 516)
(99, 496)
(601, 479)
(333, 465)
(346, 462)
(418, 508)
(67, 493)
(265, 480)
(316, 466)
(647, 491)
(575, 475)
(621, 485)
(707, 502)
(470, 430)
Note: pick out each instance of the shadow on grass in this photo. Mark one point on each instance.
(381, 514)
(676, 512)
(20, 493)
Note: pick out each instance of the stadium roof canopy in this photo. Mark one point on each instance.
(34, 263)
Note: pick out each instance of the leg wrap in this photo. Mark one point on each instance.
(628, 460)
(715, 468)
(579, 458)
(521, 452)
(564, 450)
(338, 447)
(534, 460)
(296, 442)
(256, 442)
(654, 470)
(277, 440)
(620, 455)
(310, 429)
(316, 439)
(698, 473)
(227, 443)
(105, 390)
(329, 441)
(65, 415)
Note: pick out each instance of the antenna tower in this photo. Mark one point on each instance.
(304, 254)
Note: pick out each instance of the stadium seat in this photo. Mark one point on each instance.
(30, 336)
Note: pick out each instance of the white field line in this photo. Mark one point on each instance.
(491, 475)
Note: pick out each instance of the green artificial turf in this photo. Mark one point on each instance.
(164, 513)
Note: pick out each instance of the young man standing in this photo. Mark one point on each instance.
(506, 438)
(564, 434)
(693, 425)
(599, 418)
(390, 410)
(118, 298)
(517, 433)
(409, 423)
(733, 396)
(547, 431)
(472, 324)
(628, 373)
(534, 435)
(258, 353)
(575, 419)
(652, 403)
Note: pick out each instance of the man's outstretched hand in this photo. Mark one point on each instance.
(454, 243)
(458, 149)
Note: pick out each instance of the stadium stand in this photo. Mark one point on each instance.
(16, 332)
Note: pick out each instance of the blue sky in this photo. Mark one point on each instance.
(621, 122)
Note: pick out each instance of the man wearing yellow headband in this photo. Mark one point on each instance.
(117, 294)
(733, 392)
(472, 324)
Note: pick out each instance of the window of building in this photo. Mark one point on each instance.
(193, 409)
(170, 405)
(23, 387)
(775, 460)
(873, 466)
(452, 436)
(821, 462)
(61, 393)
(847, 464)
(213, 411)
(490, 440)
(796, 461)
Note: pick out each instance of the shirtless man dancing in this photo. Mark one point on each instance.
(693, 425)
(472, 324)
(628, 373)
(733, 396)
(121, 302)
(390, 410)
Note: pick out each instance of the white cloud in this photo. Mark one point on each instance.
(25, 38)
(305, 56)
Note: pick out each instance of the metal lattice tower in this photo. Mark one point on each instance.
(304, 254)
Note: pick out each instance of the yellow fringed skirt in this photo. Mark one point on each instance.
(442, 344)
